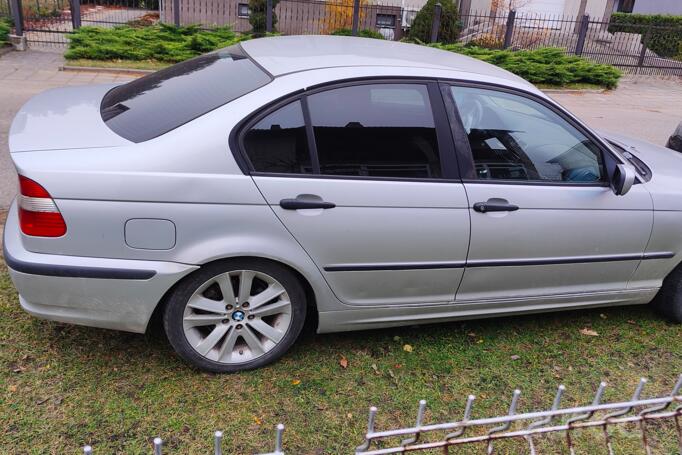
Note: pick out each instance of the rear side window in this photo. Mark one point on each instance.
(277, 143)
(155, 104)
(375, 130)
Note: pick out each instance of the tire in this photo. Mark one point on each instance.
(668, 301)
(243, 335)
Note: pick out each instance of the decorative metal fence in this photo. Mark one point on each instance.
(648, 49)
(4, 9)
(529, 427)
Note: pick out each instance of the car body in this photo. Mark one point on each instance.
(417, 202)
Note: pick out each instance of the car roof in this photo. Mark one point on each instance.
(290, 54)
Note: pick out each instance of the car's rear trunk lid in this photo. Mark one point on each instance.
(63, 118)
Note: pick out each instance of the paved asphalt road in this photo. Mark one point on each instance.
(645, 107)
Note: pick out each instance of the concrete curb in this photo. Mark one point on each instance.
(97, 69)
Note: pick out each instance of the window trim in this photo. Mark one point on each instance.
(446, 148)
(465, 156)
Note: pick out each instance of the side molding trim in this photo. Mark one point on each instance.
(496, 263)
(73, 271)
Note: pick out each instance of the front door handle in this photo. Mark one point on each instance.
(495, 205)
(305, 203)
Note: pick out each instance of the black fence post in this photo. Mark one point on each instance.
(17, 17)
(642, 54)
(435, 25)
(76, 14)
(582, 34)
(509, 32)
(176, 13)
(268, 16)
(356, 17)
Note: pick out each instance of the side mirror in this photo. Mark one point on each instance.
(623, 179)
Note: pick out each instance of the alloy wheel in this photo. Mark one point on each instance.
(237, 316)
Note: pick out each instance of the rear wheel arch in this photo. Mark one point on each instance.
(311, 322)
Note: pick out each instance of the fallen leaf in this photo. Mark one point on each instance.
(349, 415)
(515, 357)
(296, 381)
(12, 388)
(630, 321)
(589, 332)
(257, 420)
(43, 401)
(397, 366)
(375, 368)
(407, 348)
(390, 373)
(343, 362)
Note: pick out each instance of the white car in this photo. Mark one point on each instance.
(354, 183)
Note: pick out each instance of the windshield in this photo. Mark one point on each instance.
(155, 104)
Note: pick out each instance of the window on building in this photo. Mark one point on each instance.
(386, 20)
(243, 10)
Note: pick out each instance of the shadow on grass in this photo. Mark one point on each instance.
(154, 350)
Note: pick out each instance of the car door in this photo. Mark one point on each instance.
(363, 176)
(544, 220)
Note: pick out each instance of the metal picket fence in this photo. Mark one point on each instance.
(484, 433)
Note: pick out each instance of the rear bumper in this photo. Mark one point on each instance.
(100, 292)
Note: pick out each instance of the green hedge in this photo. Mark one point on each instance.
(450, 26)
(258, 17)
(543, 66)
(163, 43)
(170, 44)
(364, 33)
(665, 36)
(4, 31)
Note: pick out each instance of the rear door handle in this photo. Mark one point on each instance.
(300, 203)
(495, 206)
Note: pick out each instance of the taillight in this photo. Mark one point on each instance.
(38, 214)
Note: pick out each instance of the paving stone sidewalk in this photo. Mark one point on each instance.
(22, 75)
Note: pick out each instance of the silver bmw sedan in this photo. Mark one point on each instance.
(350, 182)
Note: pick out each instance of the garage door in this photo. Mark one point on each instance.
(541, 7)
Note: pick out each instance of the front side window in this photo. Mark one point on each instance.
(277, 143)
(157, 103)
(515, 138)
(375, 130)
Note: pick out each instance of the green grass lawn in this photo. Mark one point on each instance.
(62, 386)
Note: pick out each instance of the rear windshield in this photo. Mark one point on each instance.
(155, 104)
